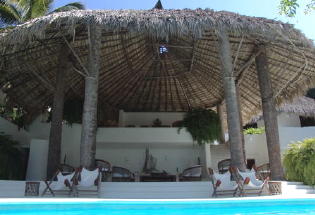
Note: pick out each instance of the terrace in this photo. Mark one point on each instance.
(151, 64)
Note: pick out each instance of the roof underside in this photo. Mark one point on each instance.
(135, 76)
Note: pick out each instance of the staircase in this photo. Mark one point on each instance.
(296, 189)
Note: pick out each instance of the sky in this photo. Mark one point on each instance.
(258, 8)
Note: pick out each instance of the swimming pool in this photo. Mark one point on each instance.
(224, 207)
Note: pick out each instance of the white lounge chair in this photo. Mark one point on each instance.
(251, 185)
(59, 183)
(87, 181)
(222, 184)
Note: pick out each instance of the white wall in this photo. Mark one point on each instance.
(37, 163)
(11, 129)
(147, 118)
(169, 158)
(126, 146)
(255, 148)
(284, 120)
(289, 120)
(293, 134)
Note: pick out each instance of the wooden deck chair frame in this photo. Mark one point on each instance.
(77, 178)
(129, 178)
(182, 176)
(48, 183)
(252, 191)
(263, 171)
(216, 185)
(105, 168)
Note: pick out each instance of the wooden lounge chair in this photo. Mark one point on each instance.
(224, 165)
(122, 174)
(251, 185)
(222, 183)
(105, 167)
(61, 181)
(263, 171)
(191, 174)
(87, 181)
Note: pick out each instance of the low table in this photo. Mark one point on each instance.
(157, 178)
(32, 188)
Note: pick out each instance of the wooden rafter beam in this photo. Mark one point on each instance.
(174, 46)
(43, 80)
(85, 70)
(245, 67)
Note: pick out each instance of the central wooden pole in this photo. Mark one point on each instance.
(89, 118)
(232, 108)
(55, 136)
(270, 115)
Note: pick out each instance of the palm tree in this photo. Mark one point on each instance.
(19, 11)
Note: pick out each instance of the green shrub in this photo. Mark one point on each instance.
(260, 130)
(299, 161)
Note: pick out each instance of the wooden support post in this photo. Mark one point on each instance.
(55, 136)
(89, 118)
(270, 115)
(233, 116)
(221, 117)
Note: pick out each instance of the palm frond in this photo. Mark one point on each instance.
(71, 6)
(9, 13)
(39, 7)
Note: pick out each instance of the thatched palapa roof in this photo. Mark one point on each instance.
(303, 106)
(135, 76)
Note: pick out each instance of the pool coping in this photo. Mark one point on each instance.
(76, 200)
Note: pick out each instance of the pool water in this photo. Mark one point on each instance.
(224, 207)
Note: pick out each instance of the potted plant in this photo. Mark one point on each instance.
(202, 124)
(157, 123)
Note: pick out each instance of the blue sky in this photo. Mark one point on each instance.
(259, 8)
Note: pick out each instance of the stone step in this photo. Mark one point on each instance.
(292, 183)
(299, 187)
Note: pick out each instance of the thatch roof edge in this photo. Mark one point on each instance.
(157, 24)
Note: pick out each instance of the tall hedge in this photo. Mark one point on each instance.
(299, 161)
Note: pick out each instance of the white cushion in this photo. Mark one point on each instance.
(254, 182)
(60, 183)
(88, 177)
(226, 183)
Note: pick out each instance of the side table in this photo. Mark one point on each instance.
(275, 187)
(32, 188)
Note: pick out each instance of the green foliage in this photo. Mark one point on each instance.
(289, 7)
(11, 159)
(10, 13)
(15, 115)
(299, 161)
(18, 11)
(202, 124)
(254, 130)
